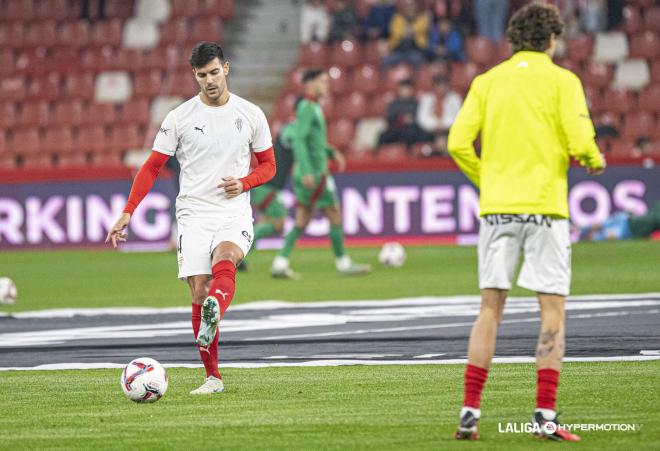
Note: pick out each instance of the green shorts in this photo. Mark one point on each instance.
(266, 200)
(324, 195)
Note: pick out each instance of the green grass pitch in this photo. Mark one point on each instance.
(360, 407)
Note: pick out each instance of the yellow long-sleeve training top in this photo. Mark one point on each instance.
(532, 115)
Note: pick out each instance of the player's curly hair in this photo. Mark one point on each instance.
(531, 27)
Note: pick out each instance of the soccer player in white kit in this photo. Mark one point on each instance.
(213, 136)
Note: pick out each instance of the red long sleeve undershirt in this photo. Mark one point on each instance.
(146, 176)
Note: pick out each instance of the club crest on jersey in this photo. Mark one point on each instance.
(239, 123)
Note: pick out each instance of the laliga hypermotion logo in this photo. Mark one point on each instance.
(550, 428)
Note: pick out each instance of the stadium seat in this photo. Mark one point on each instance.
(618, 101)
(135, 111)
(652, 19)
(180, 82)
(294, 79)
(597, 74)
(160, 106)
(107, 32)
(352, 106)
(462, 75)
(110, 159)
(32, 61)
(68, 112)
(7, 160)
(113, 86)
(174, 31)
(132, 60)
(346, 54)
(649, 99)
(41, 34)
(375, 51)
(92, 138)
(222, 8)
(609, 118)
(74, 33)
(25, 141)
(45, 88)
(338, 80)
(100, 113)
(365, 78)
(424, 79)
(185, 8)
(639, 124)
(75, 160)
(13, 89)
(16, 34)
(35, 114)
(79, 85)
(7, 62)
(59, 140)
(140, 33)
(313, 54)
(610, 47)
(655, 71)
(119, 8)
(367, 132)
(622, 148)
(579, 48)
(153, 10)
(328, 106)
(65, 60)
(126, 137)
(206, 29)
(341, 132)
(148, 83)
(379, 102)
(503, 50)
(594, 99)
(165, 57)
(9, 114)
(632, 20)
(633, 74)
(37, 161)
(392, 152)
(284, 107)
(645, 45)
(97, 59)
(480, 50)
(19, 10)
(395, 74)
(57, 10)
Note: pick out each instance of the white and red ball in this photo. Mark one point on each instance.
(144, 380)
(8, 291)
(392, 254)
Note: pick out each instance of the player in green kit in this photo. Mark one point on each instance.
(313, 185)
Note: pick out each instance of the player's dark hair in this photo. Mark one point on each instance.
(531, 27)
(204, 52)
(312, 74)
(406, 82)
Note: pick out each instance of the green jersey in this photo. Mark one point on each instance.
(310, 145)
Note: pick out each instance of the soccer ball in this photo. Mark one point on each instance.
(392, 254)
(144, 380)
(7, 291)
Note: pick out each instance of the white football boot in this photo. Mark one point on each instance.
(210, 386)
(209, 324)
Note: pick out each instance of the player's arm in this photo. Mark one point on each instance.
(144, 180)
(262, 173)
(463, 133)
(577, 126)
(337, 156)
(305, 116)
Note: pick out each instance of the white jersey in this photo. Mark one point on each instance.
(212, 142)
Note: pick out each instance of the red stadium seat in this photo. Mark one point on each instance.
(7, 62)
(111, 159)
(353, 106)
(135, 111)
(185, 8)
(126, 137)
(75, 33)
(375, 51)
(16, 34)
(68, 112)
(652, 18)
(165, 57)
(378, 104)
(341, 132)
(346, 54)
(328, 106)
(597, 74)
(3, 143)
(57, 10)
(462, 75)
(45, 88)
(180, 82)
(639, 124)
(622, 148)
(632, 20)
(79, 85)
(41, 34)
(338, 80)
(92, 138)
(174, 31)
(32, 61)
(579, 47)
(19, 10)
(100, 113)
(35, 114)
(480, 50)
(294, 79)
(7, 160)
(594, 99)
(649, 99)
(284, 107)
(428, 71)
(313, 54)
(130, 60)
(25, 141)
(206, 29)
(503, 50)
(119, 8)
(395, 74)
(65, 60)
(75, 160)
(148, 83)
(58, 140)
(107, 32)
(37, 161)
(9, 114)
(645, 45)
(655, 71)
(97, 59)
(365, 78)
(392, 152)
(609, 118)
(12, 89)
(618, 101)
(222, 8)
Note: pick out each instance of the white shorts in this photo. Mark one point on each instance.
(197, 239)
(546, 247)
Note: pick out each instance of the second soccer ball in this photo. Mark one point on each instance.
(392, 254)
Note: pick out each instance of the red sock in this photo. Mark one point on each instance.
(209, 357)
(546, 389)
(475, 378)
(223, 284)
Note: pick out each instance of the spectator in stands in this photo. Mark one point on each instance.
(314, 22)
(437, 112)
(87, 9)
(345, 22)
(623, 226)
(377, 23)
(594, 16)
(491, 17)
(445, 41)
(409, 36)
(400, 117)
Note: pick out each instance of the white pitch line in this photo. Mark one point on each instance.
(332, 362)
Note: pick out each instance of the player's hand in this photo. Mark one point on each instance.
(232, 186)
(341, 161)
(118, 231)
(308, 181)
(599, 170)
